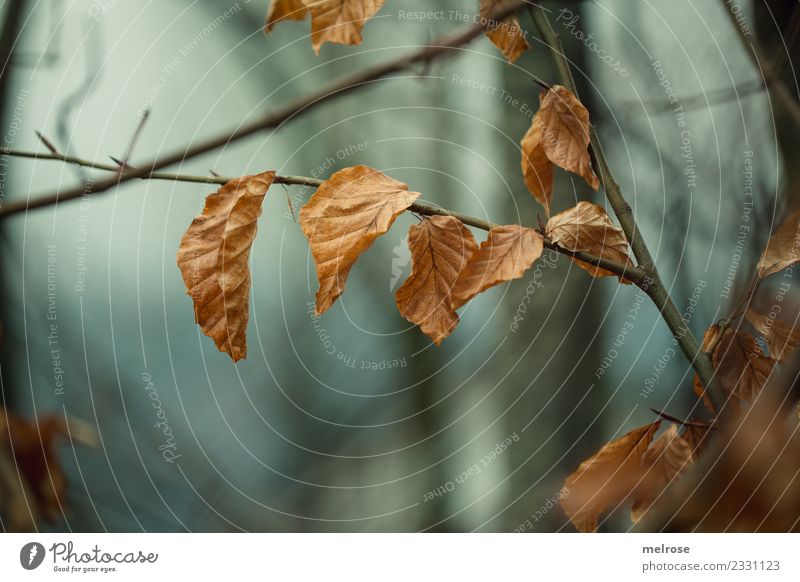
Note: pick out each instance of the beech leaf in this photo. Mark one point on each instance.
(697, 437)
(748, 482)
(742, 367)
(586, 227)
(339, 21)
(344, 217)
(783, 248)
(607, 478)
(32, 482)
(506, 254)
(563, 122)
(701, 392)
(666, 458)
(782, 339)
(506, 35)
(280, 10)
(213, 258)
(440, 248)
(537, 169)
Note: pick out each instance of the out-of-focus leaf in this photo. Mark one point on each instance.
(782, 339)
(607, 478)
(783, 248)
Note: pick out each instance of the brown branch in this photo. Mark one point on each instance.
(631, 273)
(274, 120)
(652, 284)
(677, 420)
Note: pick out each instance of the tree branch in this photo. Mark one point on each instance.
(634, 274)
(652, 285)
(333, 90)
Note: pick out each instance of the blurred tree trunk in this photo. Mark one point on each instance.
(12, 19)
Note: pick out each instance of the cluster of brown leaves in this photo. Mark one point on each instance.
(748, 481)
(32, 482)
(559, 135)
(342, 219)
(757, 463)
(633, 468)
(356, 205)
(743, 366)
(341, 21)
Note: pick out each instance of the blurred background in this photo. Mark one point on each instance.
(355, 421)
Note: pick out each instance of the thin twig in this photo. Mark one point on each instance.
(121, 165)
(674, 419)
(129, 151)
(47, 143)
(652, 284)
(291, 206)
(337, 88)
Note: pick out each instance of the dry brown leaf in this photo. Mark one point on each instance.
(537, 169)
(666, 458)
(741, 366)
(565, 130)
(280, 10)
(607, 478)
(506, 254)
(339, 21)
(749, 481)
(507, 35)
(440, 248)
(213, 257)
(783, 248)
(342, 219)
(711, 338)
(701, 392)
(782, 339)
(586, 227)
(30, 473)
(697, 437)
